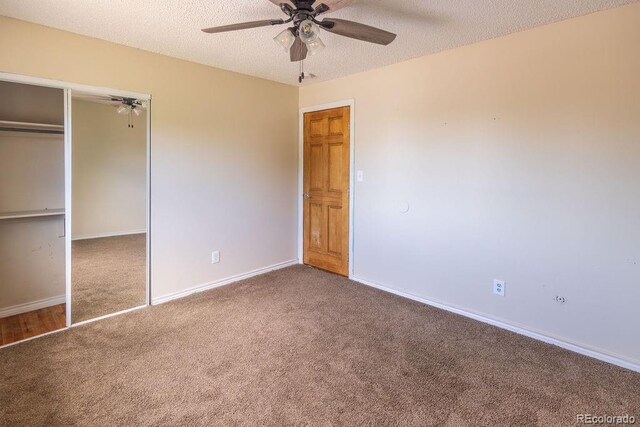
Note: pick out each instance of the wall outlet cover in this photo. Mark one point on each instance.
(498, 287)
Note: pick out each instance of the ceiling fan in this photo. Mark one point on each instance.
(302, 37)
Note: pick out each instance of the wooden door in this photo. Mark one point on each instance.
(326, 190)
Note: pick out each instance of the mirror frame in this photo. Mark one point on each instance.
(69, 196)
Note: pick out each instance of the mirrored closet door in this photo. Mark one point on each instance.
(109, 227)
(32, 214)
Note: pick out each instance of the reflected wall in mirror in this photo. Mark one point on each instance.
(109, 200)
(32, 228)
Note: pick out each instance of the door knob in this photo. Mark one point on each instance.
(306, 196)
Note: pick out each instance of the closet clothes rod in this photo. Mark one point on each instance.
(48, 131)
(30, 127)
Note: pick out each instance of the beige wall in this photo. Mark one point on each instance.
(223, 156)
(520, 159)
(109, 171)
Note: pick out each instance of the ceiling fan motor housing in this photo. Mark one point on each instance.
(304, 11)
(304, 5)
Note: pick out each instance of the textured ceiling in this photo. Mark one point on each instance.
(172, 27)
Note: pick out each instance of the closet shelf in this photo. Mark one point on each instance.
(31, 214)
(9, 126)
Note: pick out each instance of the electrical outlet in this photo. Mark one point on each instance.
(215, 257)
(360, 176)
(498, 287)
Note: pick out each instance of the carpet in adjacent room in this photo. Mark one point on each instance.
(108, 275)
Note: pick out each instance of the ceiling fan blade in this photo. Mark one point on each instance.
(298, 50)
(358, 31)
(243, 26)
(334, 4)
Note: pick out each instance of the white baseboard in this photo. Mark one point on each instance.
(614, 360)
(31, 306)
(221, 282)
(110, 234)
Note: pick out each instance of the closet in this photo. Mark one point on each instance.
(74, 204)
(32, 215)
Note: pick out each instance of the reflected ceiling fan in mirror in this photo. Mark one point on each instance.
(129, 106)
(302, 37)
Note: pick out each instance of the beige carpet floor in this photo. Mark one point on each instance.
(301, 347)
(108, 275)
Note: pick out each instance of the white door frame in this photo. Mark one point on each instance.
(352, 161)
(68, 87)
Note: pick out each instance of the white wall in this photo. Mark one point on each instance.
(109, 171)
(27, 103)
(223, 162)
(520, 159)
(31, 263)
(31, 178)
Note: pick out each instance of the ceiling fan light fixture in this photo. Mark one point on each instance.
(136, 111)
(315, 46)
(285, 39)
(308, 31)
(123, 109)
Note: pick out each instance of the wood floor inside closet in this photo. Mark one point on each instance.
(31, 324)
